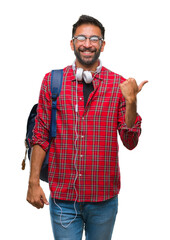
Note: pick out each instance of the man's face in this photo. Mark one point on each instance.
(87, 52)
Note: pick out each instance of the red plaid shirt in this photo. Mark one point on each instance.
(96, 156)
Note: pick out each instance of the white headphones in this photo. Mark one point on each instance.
(86, 75)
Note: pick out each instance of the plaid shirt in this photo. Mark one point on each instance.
(95, 156)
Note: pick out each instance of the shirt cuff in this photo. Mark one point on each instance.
(135, 127)
(44, 144)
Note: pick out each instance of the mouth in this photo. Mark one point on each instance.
(87, 52)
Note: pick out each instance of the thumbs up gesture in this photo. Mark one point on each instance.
(130, 89)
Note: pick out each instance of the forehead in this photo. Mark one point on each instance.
(88, 30)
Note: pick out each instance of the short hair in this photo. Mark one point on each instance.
(85, 19)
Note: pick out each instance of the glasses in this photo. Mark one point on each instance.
(93, 39)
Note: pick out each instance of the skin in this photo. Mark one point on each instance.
(129, 89)
(89, 48)
(35, 194)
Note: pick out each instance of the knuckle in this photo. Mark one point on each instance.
(34, 202)
(131, 79)
(28, 199)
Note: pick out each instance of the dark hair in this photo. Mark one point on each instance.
(85, 19)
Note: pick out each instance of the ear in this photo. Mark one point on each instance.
(103, 45)
(72, 44)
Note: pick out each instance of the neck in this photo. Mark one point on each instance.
(92, 67)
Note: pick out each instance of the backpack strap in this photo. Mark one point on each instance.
(56, 84)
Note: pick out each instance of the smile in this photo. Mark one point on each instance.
(87, 53)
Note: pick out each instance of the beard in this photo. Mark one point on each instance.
(87, 60)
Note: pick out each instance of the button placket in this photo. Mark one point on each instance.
(80, 98)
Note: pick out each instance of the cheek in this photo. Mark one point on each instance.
(75, 47)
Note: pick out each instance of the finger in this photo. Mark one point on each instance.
(38, 204)
(141, 85)
(44, 200)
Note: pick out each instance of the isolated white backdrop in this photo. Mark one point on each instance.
(35, 37)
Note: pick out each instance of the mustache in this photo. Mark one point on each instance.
(84, 49)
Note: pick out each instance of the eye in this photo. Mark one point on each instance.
(94, 38)
(81, 38)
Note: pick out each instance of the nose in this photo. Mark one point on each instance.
(87, 43)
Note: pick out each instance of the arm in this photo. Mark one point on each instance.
(40, 144)
(129, 122)
(129, 90)
(35, 194)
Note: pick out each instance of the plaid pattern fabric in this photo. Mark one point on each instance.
(96, 155)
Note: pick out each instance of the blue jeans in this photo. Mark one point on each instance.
(97, 218)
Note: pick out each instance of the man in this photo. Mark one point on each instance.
(84, 176)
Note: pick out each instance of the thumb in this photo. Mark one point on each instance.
(141, 85)
(44, 199)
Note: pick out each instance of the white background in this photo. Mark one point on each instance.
(35, 38)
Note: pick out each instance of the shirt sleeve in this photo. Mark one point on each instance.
(129, 136)
(43, 118)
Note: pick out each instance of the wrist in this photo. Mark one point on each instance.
(34, 182)
(131, 100)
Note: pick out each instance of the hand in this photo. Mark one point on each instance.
(36, 196)
(130, 89)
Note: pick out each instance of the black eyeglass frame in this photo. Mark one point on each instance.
(90, 38)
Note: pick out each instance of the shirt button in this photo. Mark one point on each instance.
(80, 175)
(82, 118)
(82, 136)
(81, 155)
(80, 98)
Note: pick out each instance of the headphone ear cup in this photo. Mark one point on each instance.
(79, 74)
(87, 76)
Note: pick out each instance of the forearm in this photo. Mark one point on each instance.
(35, 194)
(130, 89)
(131, 113)
(37, 158)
